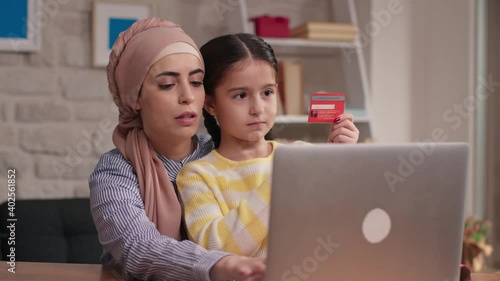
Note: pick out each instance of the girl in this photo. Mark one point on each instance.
(155, 76)
(226, 193)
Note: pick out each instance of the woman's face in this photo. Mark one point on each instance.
(172, 98)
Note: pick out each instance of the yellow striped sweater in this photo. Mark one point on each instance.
(226, 203)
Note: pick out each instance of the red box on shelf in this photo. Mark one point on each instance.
(268, 26)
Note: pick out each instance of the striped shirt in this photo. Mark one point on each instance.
(128, 237)
(227, 202)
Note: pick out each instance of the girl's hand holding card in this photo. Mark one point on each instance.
(343, 130)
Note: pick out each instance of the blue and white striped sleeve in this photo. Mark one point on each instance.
(130, 237)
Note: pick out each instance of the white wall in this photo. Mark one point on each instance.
(390, 72)
(420, 69)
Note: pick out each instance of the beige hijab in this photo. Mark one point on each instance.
(134, 52)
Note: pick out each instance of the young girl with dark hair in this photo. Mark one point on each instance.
(226, 193)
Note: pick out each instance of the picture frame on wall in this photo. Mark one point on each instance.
(21, 26)
(110, 18)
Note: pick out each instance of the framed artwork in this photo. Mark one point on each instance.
(21, 25)
(110, 18)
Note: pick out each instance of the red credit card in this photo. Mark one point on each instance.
(325, 107)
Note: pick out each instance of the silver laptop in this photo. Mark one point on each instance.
(367, 212)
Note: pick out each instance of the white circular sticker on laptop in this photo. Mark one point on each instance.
(376, 225)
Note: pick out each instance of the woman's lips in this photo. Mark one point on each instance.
(186, 118)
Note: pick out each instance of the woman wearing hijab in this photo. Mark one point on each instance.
(155, 76)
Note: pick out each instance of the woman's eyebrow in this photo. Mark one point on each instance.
(198, 70)
(168, 73)
(177, 74)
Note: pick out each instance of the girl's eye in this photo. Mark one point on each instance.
(240, 96)
(166, 86)
(196, 83)
(268, 93)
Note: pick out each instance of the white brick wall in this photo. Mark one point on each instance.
(56, 114)
(8, 135)
(42, 112)
(93, 87)
(11, 59)
(3, 112)
(28, 81)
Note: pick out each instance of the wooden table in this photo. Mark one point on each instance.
(38, 271)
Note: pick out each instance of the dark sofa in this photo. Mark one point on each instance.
(55, 230)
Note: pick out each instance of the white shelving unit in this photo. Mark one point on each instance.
(296, 42)
(359, 116)
(353, 66)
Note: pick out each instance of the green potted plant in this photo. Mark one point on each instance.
(475, 247)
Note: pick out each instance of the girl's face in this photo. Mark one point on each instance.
(245, 103)
(172, 97)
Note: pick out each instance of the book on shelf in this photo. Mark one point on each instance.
(327, 36)
(324, 27)
(325, 31)
(291, 86)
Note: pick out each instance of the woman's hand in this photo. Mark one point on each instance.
(343, 130)
(238, 268)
